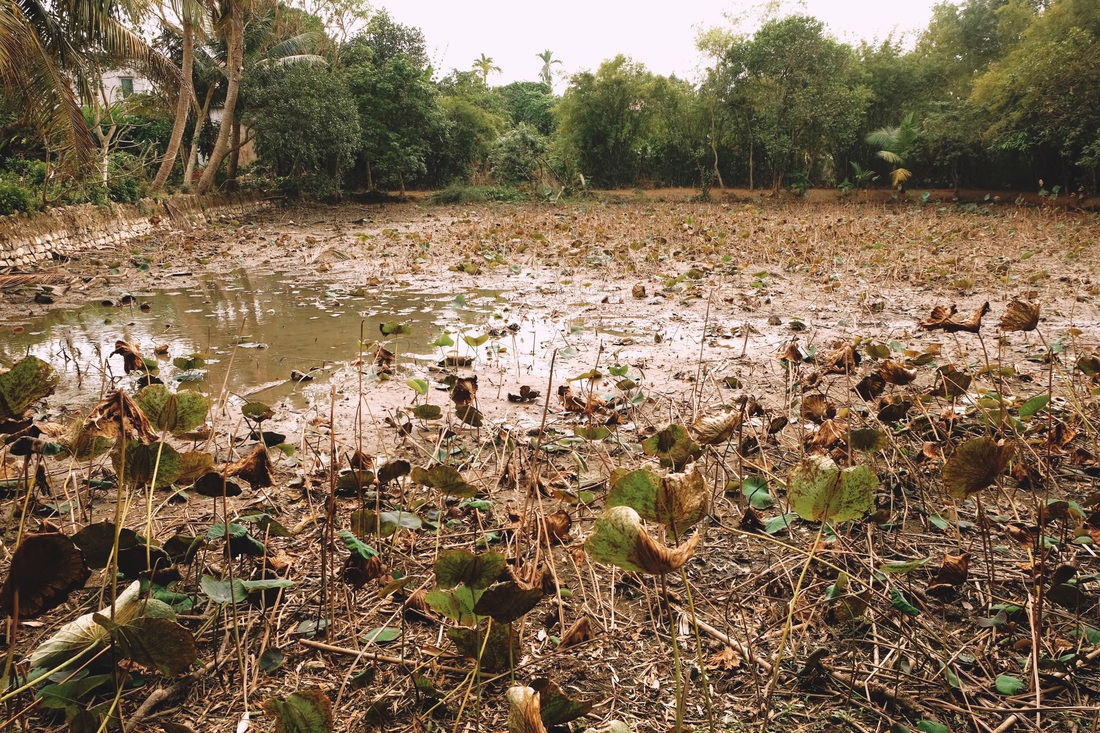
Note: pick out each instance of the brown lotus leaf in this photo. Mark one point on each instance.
(638, 291)
(658, 559)
(579, 632)
(524, 711)
(359, 571)
(1020, 315)
(751, 521)
(727, 660)
(620, 539)
(255, 468)
(943, 318)
(1022, 534)
(383, 357)
(954, 570)
(975, 465)
(870, 386)
(717, 429)
(893, 409)
(115, 410)
(526, 394)
(44, 570)
(572, 403)
(895, 373)
(830, 433)
(360, 461)
(816, 408)
(1027, 476)
(842, 360)
(131, 359)
(811, 380)
(683, 498)
(558, 525)
(953, 382)
(464, 391)
(790, 353)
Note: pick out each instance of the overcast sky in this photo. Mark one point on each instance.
(582, 33)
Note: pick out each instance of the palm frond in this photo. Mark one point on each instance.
(890, 157)
(899, 176)
(301, 44)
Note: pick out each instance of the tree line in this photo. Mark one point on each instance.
(1001, 94)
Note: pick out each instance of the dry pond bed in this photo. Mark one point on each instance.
(716, 466)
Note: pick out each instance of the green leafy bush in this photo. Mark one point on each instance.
(13, 198)
(461, 194)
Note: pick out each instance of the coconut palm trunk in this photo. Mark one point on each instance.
(235, 56)
(183, 107)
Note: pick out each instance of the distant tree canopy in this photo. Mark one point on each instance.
(995, 93)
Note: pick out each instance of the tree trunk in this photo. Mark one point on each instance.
(234, 157)
(235, 56)
(200, 124)
(752, 150)
(717, 173)
(183, 106)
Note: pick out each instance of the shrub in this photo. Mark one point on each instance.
(13, 198)
(460, 194)
(518, 156)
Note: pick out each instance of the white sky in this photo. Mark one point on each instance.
(582, 33)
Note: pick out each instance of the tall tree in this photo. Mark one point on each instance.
(230, 27)
(546, 75)
(485, 66)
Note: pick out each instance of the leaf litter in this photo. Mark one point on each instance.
(933, 474)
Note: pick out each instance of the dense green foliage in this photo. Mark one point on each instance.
(995, 93)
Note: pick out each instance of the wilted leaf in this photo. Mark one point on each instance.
(619, 539)
(212, 484)
(894, 373)
(257, 411)
(816, 408)
(175, 413)
(975, 465)
(393, 328)
(673, 446)
(462, 566)
(445, 478)
(954, 570)
(390, 472)
(944, 318)
(868, 440)
(903, 567)
(44, 570)
(717, 429)
(143, 461)
(1020, 316)
(304, 711)
(464, 391)
(456, 604)
(556, 707)
(131, 359)
(255, 468)
(496, 651)
(508, 601)
(29, 381)
(154, 643)
(818, 490)
(524, 715)
(469, 415)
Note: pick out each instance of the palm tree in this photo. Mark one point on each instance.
(229, 25)
(547, 65)
(44, 53)
(894, 144)
(485, 66)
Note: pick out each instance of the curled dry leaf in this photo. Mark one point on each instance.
(524, 714)
(842, 360)
(943, 318)
(464, 391)
(816, 408)
(975, 465)
(580, 631)
(1020, 315)
(45, 569)
(870, 386)
(894, 373)
(620, 539)
(558, 525)
(954, 570)
(717, 429)
(115, 410)
(131, 359)
(255, 468)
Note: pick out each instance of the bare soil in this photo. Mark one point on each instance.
(743, 304)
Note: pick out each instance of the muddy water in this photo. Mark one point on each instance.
(260, 328)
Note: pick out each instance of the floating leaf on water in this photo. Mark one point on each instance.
(187, 363)
(175, 413)
(29, 381)
(819, 490)
(508, 601)
(304, 711)
(446, 479)
(462, 566)
(975, 465)
(618, 538)
(673, 446)
(44, 570)
(1020, 315)
(392, 328)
